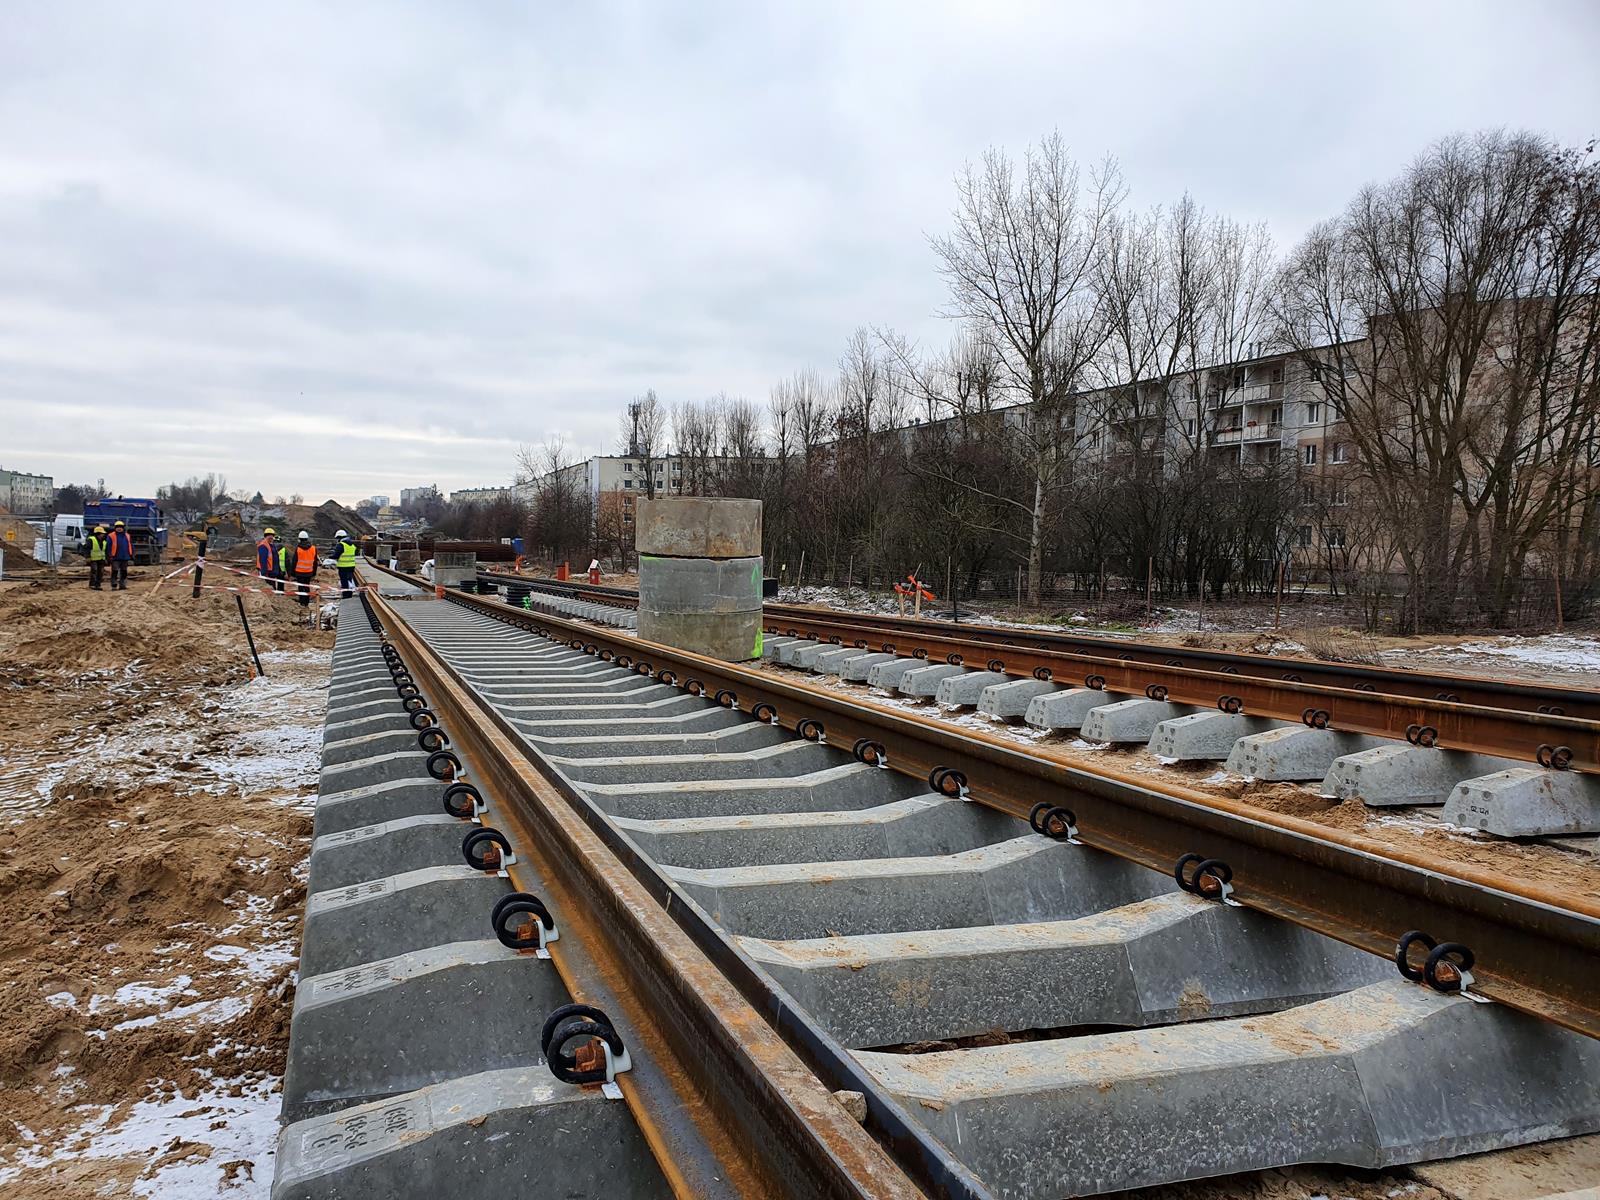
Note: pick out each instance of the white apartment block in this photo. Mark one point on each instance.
(482, 495)
(26, 495)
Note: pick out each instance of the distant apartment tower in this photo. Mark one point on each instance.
(410, 497)
(26, 495)
(376, 502)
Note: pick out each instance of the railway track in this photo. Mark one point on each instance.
(1012, 1007)
(1362, 733)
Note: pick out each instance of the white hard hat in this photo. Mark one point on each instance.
(304, 536)
(341, 533)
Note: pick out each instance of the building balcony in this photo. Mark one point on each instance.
(1253, 432)
(1249, 393)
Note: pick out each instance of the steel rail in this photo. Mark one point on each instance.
(1536, 949)
(1582, 703)
(716, 1059)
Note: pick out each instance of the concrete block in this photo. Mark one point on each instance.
(833, 661)
(781, 761)
(1009, 701)
(1396, 774)
(376, 768)
(1527, 802)
(1127, 722)
(1205, 735)
(964, 691)
(729, 636)
(444, 1011)
(1355, 1079)
(357, 746)
(920, 826)
(923, 683)
(771, 644)
(852, 785)
(1065, 709)
(381, 918)
(1169, 958)
(1294, 752)
(787, 652)
(697, 527)
(887, 675)
(804, 655)
(511, 1132)
(857, 669)
(746, 735)
(698, 586)
(394, 847)
(1023, 880)
(337, 811)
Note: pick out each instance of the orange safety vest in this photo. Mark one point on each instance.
(111, 543)
(305, 560)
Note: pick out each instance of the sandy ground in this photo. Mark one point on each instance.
(154, 822)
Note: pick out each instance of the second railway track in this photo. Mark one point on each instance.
(1043, 1007)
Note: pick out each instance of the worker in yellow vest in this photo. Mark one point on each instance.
(344, 557)
(96, 549)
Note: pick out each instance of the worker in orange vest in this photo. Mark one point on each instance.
(303, 567)
(267, 558)
(119, 553)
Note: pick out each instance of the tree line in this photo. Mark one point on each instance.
(1066, 435)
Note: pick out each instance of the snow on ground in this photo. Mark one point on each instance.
(197, 1147)
(1561, 652)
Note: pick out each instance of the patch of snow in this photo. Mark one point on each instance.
(61, 1000)
(1561, 652)
(234, 1128)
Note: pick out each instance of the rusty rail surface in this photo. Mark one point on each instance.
(1543, 699)
(727, 1105)
(1536, 948)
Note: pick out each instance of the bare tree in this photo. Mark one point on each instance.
(644, 436)
(1021, 262)
(1426, 314)
(560, 522)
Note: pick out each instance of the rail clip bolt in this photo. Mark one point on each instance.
(1232, 705)
(1156, 691)
(1098, 682)
(487, 850)
(522, 922)
(461, 800)
(1557, 758)
(1054, 822)
(868, 751)
(811, 729)
(443, 765)
(1212, 878)
(948, 781)
(591, 1064)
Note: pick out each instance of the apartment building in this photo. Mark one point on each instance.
(481, 495)
(27, 495)
(418, 495)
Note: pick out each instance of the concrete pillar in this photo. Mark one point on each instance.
(700, 575)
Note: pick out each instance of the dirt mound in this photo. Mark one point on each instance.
(153, 833)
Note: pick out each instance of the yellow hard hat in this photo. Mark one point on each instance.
(269, 532)
(118, 524)
(99, 528)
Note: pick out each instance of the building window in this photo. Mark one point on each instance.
(1308, 454)
(1188, 427)
(1334, 537)
(1340, 453)
(1275, 415)
(627, 483)
(1313, 413)
(1339, 494)
(1308, 494)
(628, 467)
(1303, 536)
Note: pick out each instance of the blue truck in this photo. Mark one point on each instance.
(146, 525)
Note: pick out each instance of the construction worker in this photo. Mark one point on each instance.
(119, 552)
(96, 549)
(267, 565)
(303, 567)
(344, 557)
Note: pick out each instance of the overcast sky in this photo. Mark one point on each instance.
(342, 249)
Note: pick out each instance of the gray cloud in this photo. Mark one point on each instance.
(342, 250)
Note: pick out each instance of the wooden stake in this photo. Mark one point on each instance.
(1149, 589)
(1277, 607)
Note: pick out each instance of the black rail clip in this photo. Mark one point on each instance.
(1447, 968)
(600, 1060)
(1212, 878)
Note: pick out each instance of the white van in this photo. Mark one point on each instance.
(64, 534)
